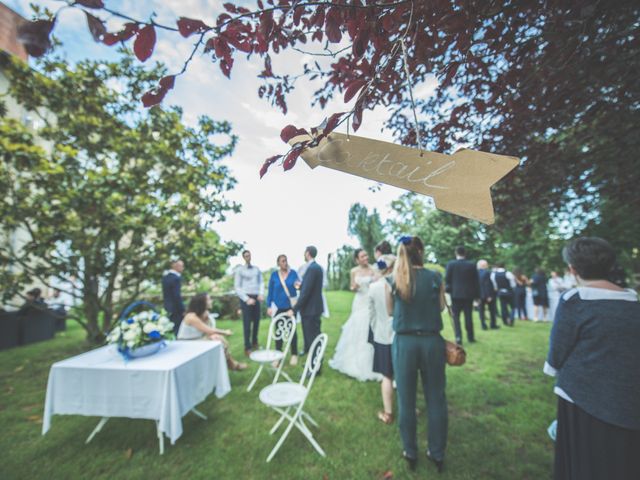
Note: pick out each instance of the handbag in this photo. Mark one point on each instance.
(454, 353)
(293, 300)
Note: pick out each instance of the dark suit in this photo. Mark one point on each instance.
(461, 282)
(487, 292)
(172, 298)
(310, 303)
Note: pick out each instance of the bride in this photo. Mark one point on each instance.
(354, 354)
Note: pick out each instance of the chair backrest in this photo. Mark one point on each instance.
(314, 360)
(282, 328)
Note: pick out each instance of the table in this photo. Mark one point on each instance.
(162, 387)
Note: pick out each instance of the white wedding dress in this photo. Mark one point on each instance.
(354, 354)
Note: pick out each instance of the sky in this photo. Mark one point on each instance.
(285, 211)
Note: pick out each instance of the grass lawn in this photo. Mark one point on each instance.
(500, 405)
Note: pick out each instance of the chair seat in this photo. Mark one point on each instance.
(266, 356)
(284, 394)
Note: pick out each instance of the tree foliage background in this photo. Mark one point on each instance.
(105, 194)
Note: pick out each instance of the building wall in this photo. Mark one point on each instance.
(9, 23)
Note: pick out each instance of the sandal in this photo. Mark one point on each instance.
(384, 417)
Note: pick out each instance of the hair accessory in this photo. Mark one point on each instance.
(405, 240)
(382, 265)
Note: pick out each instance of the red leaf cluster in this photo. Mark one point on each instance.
(290, 131)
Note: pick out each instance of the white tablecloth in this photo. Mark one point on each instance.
(162, 387)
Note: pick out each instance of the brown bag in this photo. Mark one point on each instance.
(454, 353)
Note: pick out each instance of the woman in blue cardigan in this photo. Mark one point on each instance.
(594, 352)
(283, 293)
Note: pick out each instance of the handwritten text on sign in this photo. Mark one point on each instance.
(458, 183)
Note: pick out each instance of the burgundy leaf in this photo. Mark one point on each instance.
(230, 7)
(297, 15)
(266, 24)
(167, 83)
(332, 123)
(96, 27)
(130, 29)
(153, 97)
(90, 3)
(353, 88)
(291, 131)
(35, 36)
(110, 39)
(221, 47)
(225, 65)
(332, 25)
(189, 26)
(361, 43)
(267, 163)
(291, 158)
(145, 41)
(357, 117)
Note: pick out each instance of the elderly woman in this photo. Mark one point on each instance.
(594, 354)
(196, 325)
(382, 332)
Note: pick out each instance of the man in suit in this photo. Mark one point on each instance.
(487, 295)
(171, 295)
(310, 298)
(504, 283)
(461, 282)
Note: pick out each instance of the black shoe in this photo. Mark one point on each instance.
(412, 462)
(438, 463)
(484, 327)
(472, 340)
(495, 327)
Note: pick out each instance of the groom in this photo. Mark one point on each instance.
(309, 302)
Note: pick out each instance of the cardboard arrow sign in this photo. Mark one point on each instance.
(458, 183)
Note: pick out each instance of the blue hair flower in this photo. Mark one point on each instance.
(154, 316)
(382, 265)
(155, 334)
(130, 321)
(405, 239)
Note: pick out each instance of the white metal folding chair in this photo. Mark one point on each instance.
(288, 398)
(282, 327)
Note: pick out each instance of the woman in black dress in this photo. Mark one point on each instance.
(540, 294)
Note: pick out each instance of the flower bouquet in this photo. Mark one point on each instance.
(141, 334)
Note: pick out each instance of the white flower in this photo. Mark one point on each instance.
(163, 320)
(142, 316)
(149, 327)
(131, 343)
(129, 336)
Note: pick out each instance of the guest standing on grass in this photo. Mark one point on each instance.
(171, 293)
(462, 284)
(540, 295)
(249, 287)
(282, 295)
(382, 330)
(594, 355)
(520, 295)
(504, 283)
(415, 303)
(488, 295)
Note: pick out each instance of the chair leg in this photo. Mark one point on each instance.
(255, 378)
(283, 414)
(311, 420)
(96, 430)
(282, 438)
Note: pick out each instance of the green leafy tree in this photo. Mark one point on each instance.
(366, 227)
(104, 193)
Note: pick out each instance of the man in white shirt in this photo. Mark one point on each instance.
(249, 287)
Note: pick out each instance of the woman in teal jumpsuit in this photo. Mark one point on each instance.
(415, 303)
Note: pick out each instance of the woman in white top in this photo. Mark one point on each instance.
(381, 325)
(196, 325)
